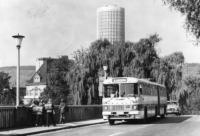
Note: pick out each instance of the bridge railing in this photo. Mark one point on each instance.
(22, 117)
(7, 116)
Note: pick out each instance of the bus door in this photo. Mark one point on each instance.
(158, 94)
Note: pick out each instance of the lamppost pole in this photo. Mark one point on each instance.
(18, 40)
(18, 76)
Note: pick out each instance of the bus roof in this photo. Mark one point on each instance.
(117, 80)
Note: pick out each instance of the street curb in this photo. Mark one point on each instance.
(50, 130)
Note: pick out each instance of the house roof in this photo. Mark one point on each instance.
(36, 83)
(42, 72)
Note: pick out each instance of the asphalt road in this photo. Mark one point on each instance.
(185, 125)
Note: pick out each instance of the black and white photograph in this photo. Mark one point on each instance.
(99, 67)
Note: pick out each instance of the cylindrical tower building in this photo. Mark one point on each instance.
(111, 23)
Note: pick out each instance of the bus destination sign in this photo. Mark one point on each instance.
(119, 80)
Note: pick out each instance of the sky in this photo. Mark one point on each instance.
(53, 28)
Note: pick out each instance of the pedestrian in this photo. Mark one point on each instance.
(49, 107)
(33, 104)
(62, 110)
(40, 113)
(32, 112)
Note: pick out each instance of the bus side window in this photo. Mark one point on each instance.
(161, 94)
(135, 89)
(145, 90)
(153, 91)
(140, 89)
(160, 91)
(156, 91)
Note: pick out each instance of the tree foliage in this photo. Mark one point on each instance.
(191, 10)
(191, 105)
(168, 71)
(122, 59)
(146, 55)
(127, 59)
(78, 80)
(7, 95)
(57, 86)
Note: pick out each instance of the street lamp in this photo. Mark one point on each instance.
(18, 40)
(105, 70)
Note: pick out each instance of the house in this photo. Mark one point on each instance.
(38, 82)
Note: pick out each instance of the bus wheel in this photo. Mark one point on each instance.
(111, 122)
(145, 115)
(162, 116)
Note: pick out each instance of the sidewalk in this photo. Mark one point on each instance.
(40, 129)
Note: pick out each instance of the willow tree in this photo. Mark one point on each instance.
(193, 95)
(84, 77)
(116, 56)
(132, 59)
(168, 71)
(57, 85)
(80, 79)
(122, 59)
(191, 10)
(119, 58)
(77, 79)
(145, 56)
(95, 58)
(174, 81)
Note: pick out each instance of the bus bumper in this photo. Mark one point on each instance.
(123, 115)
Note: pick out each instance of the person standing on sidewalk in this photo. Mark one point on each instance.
(62, 110)
(40, 113)
(33, 114)
(49, 107)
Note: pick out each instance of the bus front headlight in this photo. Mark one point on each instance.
(134, 107)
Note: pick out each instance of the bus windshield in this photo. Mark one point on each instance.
(127, 90)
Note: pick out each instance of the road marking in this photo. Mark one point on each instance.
(116, 134)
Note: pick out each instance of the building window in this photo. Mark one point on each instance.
(36, 92)
(32, 93)
(37, 78)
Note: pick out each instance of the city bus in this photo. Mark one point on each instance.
(129, 98)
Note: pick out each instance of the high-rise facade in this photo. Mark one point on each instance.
(111, 23)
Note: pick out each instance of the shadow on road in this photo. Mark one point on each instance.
(166, 120)
(171, 119)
